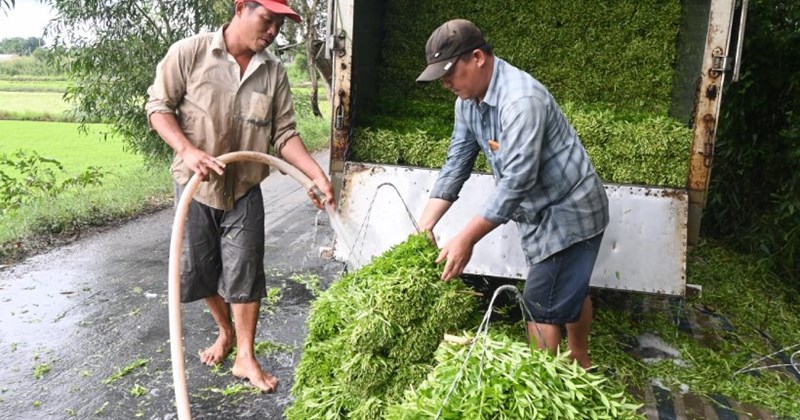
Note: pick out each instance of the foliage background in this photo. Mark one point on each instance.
(610, 65)
(754, 198)
(110, 50)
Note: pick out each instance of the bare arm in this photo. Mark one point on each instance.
(434, 210)
(295, 152)
(195, 159)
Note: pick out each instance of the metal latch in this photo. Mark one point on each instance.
(339, 43)
(720, 62)
(708, 146)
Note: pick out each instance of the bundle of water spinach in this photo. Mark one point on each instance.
(515, 383)
(373, 334)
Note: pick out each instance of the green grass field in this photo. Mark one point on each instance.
(127, 188)
(7, 85)
(63, 142)
(32, 102)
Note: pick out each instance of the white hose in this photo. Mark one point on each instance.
(174, 282)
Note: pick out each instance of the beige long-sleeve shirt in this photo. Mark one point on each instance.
(221, 112)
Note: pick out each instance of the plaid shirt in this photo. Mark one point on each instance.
(544, 179)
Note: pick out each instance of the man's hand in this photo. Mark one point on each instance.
(457, 254)
(201, 162)
(458, 251)
(195, 159)
(326, 188)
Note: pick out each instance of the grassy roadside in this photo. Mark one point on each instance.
(128, 187)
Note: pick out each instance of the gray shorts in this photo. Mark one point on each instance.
(556, 286)
(223, 252)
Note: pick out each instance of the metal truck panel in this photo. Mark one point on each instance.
(644, 248)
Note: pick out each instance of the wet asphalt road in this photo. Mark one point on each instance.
(73, 317)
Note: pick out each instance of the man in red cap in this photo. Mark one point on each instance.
(216, 93)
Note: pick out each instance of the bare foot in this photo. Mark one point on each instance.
(583, 360)
(248, 368)
(218, 351)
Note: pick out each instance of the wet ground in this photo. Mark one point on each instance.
(72, 318)
(84, 330)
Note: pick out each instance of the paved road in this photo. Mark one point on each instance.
(73, 317)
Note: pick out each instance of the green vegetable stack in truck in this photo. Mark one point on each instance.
(640, 81)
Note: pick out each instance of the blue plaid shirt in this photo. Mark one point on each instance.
(544, 179)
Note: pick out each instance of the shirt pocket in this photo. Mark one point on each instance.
(259, 110)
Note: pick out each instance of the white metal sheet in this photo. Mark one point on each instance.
(643, 249)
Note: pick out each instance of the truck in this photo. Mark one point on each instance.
(616, 67)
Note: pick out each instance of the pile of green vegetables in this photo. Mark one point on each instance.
(374, 332)
(514, 382)
(633, 149)
(609, 63)
(373, 339)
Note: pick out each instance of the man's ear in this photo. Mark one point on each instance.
(479, 56)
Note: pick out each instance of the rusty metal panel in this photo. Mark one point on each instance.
(341, 43)
(644, 248)
(713, 73)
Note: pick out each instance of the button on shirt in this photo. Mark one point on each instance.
(544, 179)
(221, 112)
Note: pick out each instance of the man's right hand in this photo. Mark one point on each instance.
(432, 237)
(201, 162)
(198, 161)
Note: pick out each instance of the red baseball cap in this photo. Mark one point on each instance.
(277, 6)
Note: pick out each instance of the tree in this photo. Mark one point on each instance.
(754, 196)
(311, 30)
(6, 5)
(20, 46)
(110, 50)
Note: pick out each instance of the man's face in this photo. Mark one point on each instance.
(261, 27)
(463, 78)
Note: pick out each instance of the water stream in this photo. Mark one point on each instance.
(344, 238)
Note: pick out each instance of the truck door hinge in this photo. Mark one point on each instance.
(720, 62)
(708, 148)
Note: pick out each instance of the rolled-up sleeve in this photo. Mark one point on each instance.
(284, 125)
(520, 151)
(169, 85)
(460, 158)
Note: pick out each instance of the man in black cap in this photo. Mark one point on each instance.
(544, 181)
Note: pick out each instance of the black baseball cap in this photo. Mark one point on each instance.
(446, 44)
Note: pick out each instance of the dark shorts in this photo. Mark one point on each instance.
(557, 286)
(223, 251)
